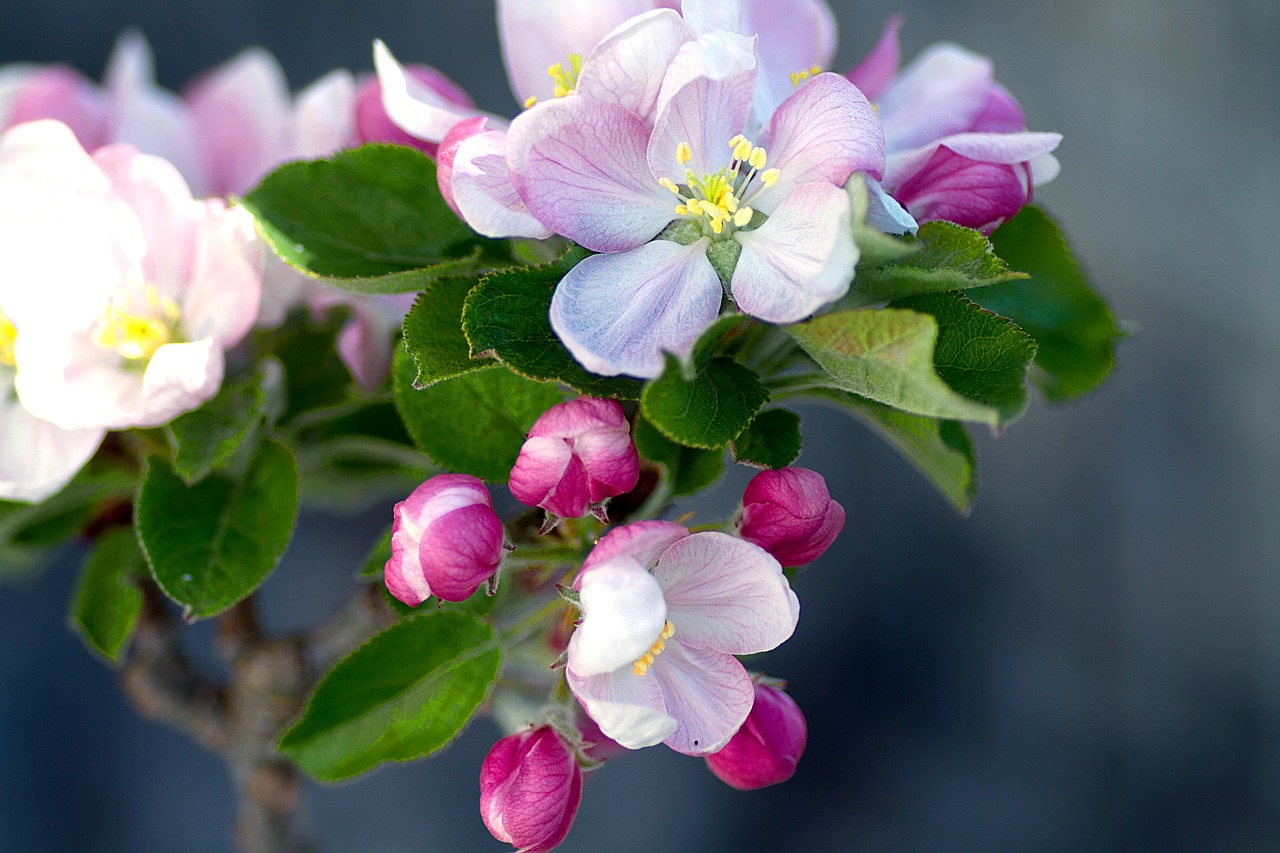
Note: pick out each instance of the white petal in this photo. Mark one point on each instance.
(628, 708)
(178, 379)
(36, 457)
(725, 594)
(416, 108)
(323, 119)
(484, 193)
(225, 284)
(623, 614)
(627, 68)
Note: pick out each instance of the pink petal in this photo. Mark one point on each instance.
(225, 284)
(643, 542)
(415, 107)
(579, 417)
(826, 131)
(618, 313)
(942, 92)
(610, 459)
(968, 192)
(461, 550)
(323, 118)
(483, 192)
(569, 497)
(726, 594)
(800, 259)
(62, 94)
(708, 693)
(627, 68)
(878, 68)
(541, 464)
(628, 708)
(580, 167)
(448, 152)
(1000, 114)
(64, 378)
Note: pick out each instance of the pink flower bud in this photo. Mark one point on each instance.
(446, 541)
(578, 453)
(374, 125)
(530, 788)
(765, 750)
(790, 514)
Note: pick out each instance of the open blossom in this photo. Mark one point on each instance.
(446, 541)
(530, 789)
(130, 329)
(767, 748)
(956, 141)
(577, 454)
(663, 614)
(790, 514)
(603, 174)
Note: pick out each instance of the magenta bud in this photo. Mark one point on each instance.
(790, 514)
(577, 454)
(766, 749)
(446, 541)
(530, 788)
(372, 124)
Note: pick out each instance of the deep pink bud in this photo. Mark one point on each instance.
(446, 541)
(530, 788)
(790, 514)
(766, 749)
(578, 453)
(374, 125)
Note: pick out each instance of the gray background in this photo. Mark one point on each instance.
(1090, 661)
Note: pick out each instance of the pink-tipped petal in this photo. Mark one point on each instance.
(542, 463)
(61, 94)
(799, 35)
(942, 92)
(618, 313)
(323, 118)
(178, 378)
(878, 68)
(790, 514)
(800, 259)
(417, 108)
(1000, 114)
(643, 542)
(482, 191)
(627, 68)
(225, 284)
(707, 692)
(628, 708)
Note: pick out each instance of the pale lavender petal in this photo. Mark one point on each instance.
(1006, 148)
(885, 213)
(628, 708)
(38, 458)
(709, 15)
(796, 36)
(942, 92)
(323, 118)
(643, 542)
(415, 107)
(825, 132)
(800, 259)
(878, 68)
(580, 167)
(705, 101)
(708, 693)
(365, 342)
(726, 594)
(618, 313)
(627, 68)
(623, 614)
(1044, 168)
(968, 192)
(483, 192)
(536, 34)
(542, 462)
(372, 124)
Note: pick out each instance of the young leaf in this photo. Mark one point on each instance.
(771, 441)
(433, 333)
(211, 544)
(1075, 330)
(107, 602)
(981, 355)
(507, 316)
(708, 411)
(369, 220)
(689, 470)
(205, 438)
(475, 423)
(404, 694)
(887, 355)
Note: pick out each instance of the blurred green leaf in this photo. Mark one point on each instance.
(107, 601)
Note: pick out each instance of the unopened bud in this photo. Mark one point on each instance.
(766, 749)
(790, 514)
(530, 789)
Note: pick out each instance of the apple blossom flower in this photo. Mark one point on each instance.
(598, 173)
(130, 329)
(767, 748)
(446, 541)
(957, 145)
(577, 454)
(663, 614)
(530, 789)
(790, 514)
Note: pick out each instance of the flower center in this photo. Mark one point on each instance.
(723, 199)
(8, 338)
(137, 322)
(642, 663)
(798, 77)
(566, 79)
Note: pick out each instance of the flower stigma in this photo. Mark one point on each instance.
(722, 199)
(8, 338)
(642, 663)
(137, 322)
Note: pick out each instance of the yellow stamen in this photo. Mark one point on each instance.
(682, 210)
(769, 177)
(530, 101)
(564, 78)
(742, 150)
(722, 199)
(137, 331)
(669, 184)
(757, 159)
(642, 663)
(798, 77)
(684, 154)
(743, 217)
(8, 340)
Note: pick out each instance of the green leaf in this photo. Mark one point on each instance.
(982, 355)
(950, 257)
(211, 544)
(433, 333)
(507, 317)
(886, 355)
(689, 469)
(370, 220)
(404, 694)
(939, 449)
(708, 411)
(107, 601)
(204, 439)
(475, 423)
(376, 562)
(1072, 324)
(771, 441)
(874, 247)
(314, 376)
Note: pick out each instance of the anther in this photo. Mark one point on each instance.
(757, 159)
(769, 177)
(684, 154)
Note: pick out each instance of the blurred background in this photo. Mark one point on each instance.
(1090, 661)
